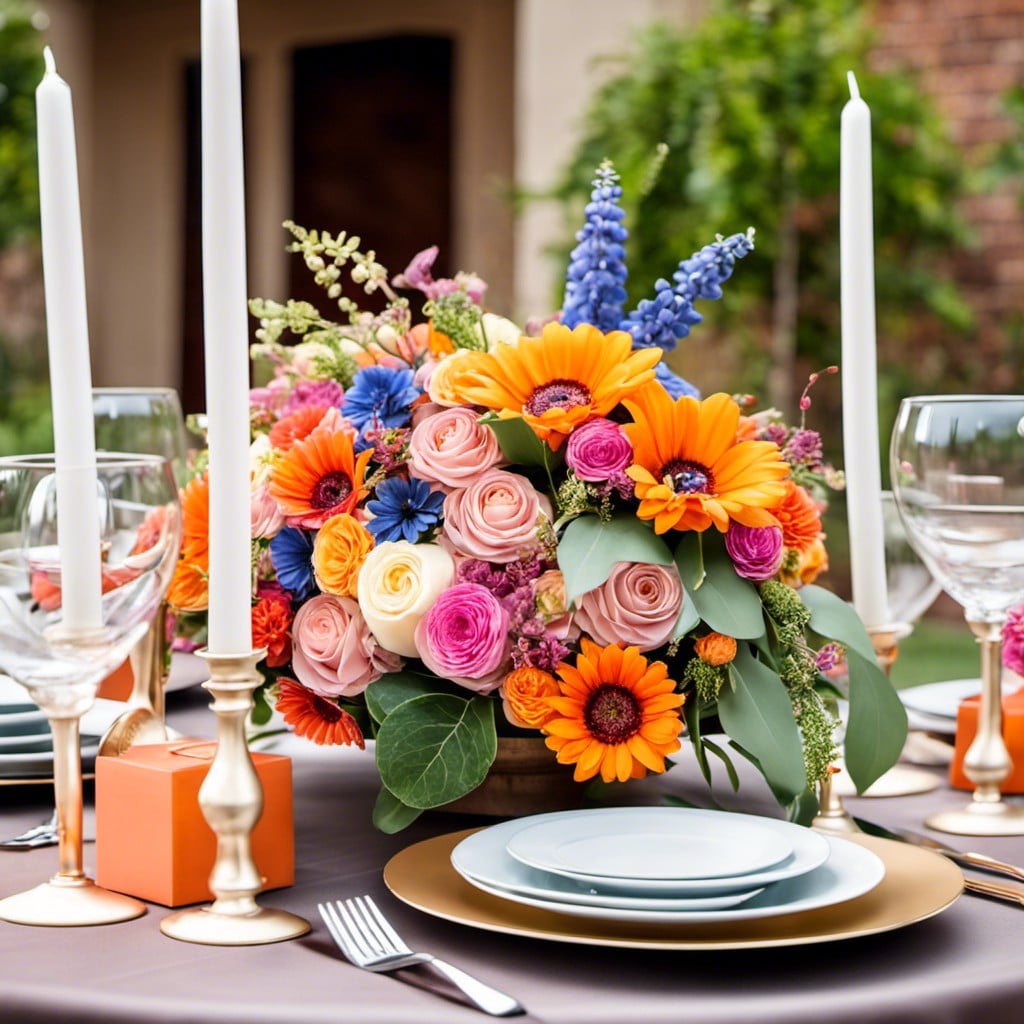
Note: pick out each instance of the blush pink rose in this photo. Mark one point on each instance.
(333, 651)
(496, 517)
(265, 516)
(451, 448)
(637, 605)
(464, 637)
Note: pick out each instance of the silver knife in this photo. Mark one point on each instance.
(980, 861)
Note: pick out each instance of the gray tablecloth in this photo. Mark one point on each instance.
(964, 965)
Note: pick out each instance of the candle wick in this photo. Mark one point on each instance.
(854, 90)
(51, 64)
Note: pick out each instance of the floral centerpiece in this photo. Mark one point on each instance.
(462, 529)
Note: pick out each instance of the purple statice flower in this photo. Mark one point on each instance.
(803, 448)
(523, 571)
(830, 657)
(484, 574)
(617, 483)
(521, 608)
(545, 653)
(1013, 640)
(380, 397)
(313, 392)
(390, 447)
(775, 432)
(596, 278)
(756, 551)
(597, 450)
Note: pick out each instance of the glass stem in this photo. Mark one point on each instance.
(987, 761)
(67, 786)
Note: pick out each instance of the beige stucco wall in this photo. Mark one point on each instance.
(558, 43)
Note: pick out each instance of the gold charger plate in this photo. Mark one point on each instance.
(918, 884)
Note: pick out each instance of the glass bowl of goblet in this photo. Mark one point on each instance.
(958, 476)
(61, 664)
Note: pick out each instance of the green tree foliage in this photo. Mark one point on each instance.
(748, 103)
(21, 68)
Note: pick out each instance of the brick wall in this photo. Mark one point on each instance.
(967, 53)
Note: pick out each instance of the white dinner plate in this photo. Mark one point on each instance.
(187, 670)
(941, 700)
(484, 855)
(27, 721)
(650, 844)
(40, 763)
(26, 743)
(849, 872)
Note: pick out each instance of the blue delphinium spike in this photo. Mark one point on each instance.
(666, 318)
(595, 281)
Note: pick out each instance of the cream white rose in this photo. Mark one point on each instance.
(398, 584)
(498, 330)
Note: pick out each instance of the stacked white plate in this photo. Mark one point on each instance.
(26, 746)
(932, 707)
(664, 865)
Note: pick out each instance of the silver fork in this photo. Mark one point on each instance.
(363, 934)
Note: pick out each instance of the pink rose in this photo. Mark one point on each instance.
(265, 517)
(598, 450)
(496, 517)
(451, 448)
(756, 551)
(1013, 640)
(637, 605)
(464, 637)
(333, 651)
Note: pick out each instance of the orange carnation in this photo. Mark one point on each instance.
(799, 518)
(297, 426)
(522, 697)
(716, 649)
(339, 550)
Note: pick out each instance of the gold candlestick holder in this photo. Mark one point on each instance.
(987, 761)
(231, 799)
(900, 780)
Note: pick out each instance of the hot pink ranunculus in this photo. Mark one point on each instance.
(638, 605)
(464, 637)
(496, 517)
(756, 551)
(333, 651)
(597, 450)
(452, 447)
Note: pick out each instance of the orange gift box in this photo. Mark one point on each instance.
(1013, 736)
(152, 841)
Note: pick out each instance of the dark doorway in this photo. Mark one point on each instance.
(372, 150)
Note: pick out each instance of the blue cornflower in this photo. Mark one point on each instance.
(380, 397)
(675, 385)
(403, 509)
(596, 277)
(291, 553)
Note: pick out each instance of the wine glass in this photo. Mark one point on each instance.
(61, 665)
(150, 421)
(958, 477)
(147, 420)
(910, 584)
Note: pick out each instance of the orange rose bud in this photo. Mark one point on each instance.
(340, 548)
(716, 649)
(523, 697)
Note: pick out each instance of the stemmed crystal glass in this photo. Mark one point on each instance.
(61, 667)
(147, 420)
(958, 477)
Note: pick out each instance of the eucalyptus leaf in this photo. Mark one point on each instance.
(390, 815)
(877, 727)
(520, 445)
(590, 548)
(691, 715)
(689, 559)
(757, 715)
(833, 618)
(435, 748)
(803, 809)
(730, 768)
(688, 618)
(728, 603)
(385, 694)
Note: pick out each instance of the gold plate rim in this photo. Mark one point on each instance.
(918, 884)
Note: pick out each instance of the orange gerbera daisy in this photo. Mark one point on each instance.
(799, 517)
(195, 518)
(316, 718)
(559, 380)
(319, 477)
(190, 586)
(618, 714)
(296, 426)
(689, 469)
